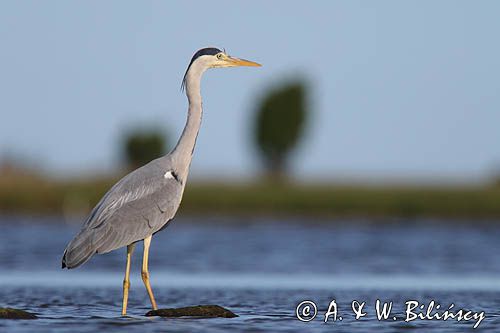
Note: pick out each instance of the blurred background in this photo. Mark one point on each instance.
(378, 98)
(372, 126)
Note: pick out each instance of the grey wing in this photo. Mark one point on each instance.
(138, 206)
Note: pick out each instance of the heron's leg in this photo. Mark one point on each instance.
(126, 280)
(145, 273)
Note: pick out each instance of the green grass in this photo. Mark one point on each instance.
(334, 200)
(26, 195)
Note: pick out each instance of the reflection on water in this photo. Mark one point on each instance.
(261, 271)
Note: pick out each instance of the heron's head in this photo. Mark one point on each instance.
(212, 57)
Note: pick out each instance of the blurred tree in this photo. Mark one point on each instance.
(496, 179)
(279, 126)
(141, 146)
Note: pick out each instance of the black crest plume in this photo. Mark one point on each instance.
(199, 53)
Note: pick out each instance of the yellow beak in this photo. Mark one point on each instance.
(232, 61)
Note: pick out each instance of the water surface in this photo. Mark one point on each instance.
(261, 271)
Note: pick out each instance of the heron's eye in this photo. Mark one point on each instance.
(219, 56)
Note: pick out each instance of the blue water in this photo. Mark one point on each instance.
(259, 269)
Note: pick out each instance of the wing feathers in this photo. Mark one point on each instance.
(139, 205)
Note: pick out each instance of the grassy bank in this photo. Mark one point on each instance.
(32, 195)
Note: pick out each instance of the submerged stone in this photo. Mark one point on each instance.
(201, 311)
(9, 313)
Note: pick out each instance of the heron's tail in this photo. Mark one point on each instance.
(79, 250)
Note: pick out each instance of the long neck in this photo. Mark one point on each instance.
(184, 149)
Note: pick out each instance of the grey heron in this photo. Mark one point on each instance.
(146, 200)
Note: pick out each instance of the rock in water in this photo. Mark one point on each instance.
(9, 313)
(201, 311)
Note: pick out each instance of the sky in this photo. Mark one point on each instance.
(397, 88)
